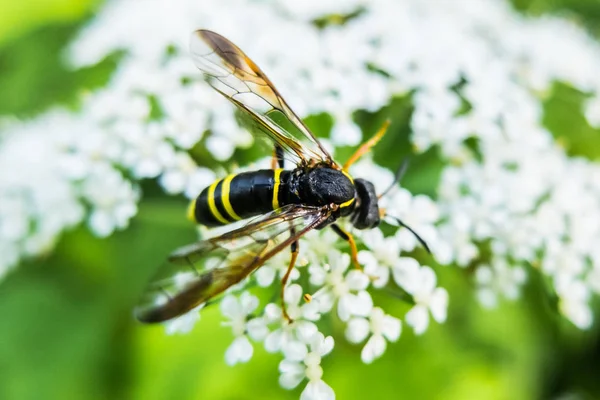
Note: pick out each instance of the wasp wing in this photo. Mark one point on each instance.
(200, 271)
(233, 74)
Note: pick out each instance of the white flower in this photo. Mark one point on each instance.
(276, 267)
(592, 111)
(347, 288)
(384, 254)
(508, 190)
(574, 302)
(182, 174)
(316, 245)
(380, 177)
(345, 132)
(113, 200)
(146, 152)
(238, 311)
(420, 282)
(500, 278)
(295, 371)
(184, 323)
(418, 212)
(381, 327)
(290, 338)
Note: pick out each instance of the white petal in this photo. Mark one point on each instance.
(484, 275)
(273, 312)
(239, 351)
(322, 345)
(248, 303)
(372, 238)
(360, 303)
(317, 275)
(357, 280)
(579, 313)
(418, 318)
(406, 273)
(230, 307)
(311, 311)
(101, 223)
(378, 275)
(293, 294)
(294, 350)
(365, 257)
(294, 275)
(273, 341)
(326, 300)
(344, 308)
(345, 132)
(391, 328)
(264, 276)
(373, 349)
(357, 330)
(173, 182)
(183, 324)
(439, 304)
(257, 329)
(338, 261)
(306, 331)
(317, 390)
(428, 279)
(290, 367)
(221, 148)
(292, 374)
(487, 297)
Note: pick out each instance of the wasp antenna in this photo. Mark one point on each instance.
(419, 238)
(366, 146)
(397, 177)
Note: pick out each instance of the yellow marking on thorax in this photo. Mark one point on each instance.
(276, 178)
(225, 198)
(191, 211)
(349, 202)
(348, 176)
(212, 206)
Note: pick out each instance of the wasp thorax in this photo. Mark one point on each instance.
(325, 185)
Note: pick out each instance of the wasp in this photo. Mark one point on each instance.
(286, 203)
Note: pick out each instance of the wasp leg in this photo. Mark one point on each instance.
(295, 249)
(350, 239)
(366, 146)
(277, 157)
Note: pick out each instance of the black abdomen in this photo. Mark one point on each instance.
(240, 196)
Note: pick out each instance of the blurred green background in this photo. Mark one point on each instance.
(67, 330)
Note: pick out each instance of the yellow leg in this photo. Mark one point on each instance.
(366, 146)
(295, 251)
(350, 239)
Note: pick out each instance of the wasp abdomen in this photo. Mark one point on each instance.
(240, 196)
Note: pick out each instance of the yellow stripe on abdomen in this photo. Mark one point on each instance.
(276, 178)
(225, 198)
(212, 206)
(191, 211)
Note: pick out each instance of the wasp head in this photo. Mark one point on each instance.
(366, 212)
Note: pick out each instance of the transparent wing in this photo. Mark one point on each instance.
(229, 71)
(200, 271)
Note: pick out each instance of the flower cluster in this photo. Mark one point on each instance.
(338, 290)
(510, 202)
